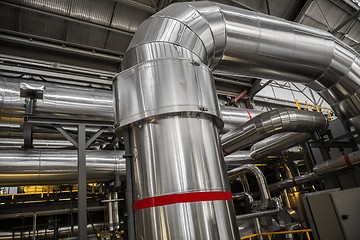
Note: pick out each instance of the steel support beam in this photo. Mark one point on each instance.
(346, 21)
(268, 7)
(82, 202)
(67, 135)
(95, 136)
(130, 233)
(37, 41)
(299, 10)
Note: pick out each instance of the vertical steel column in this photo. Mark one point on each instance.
(130, 234)
(34, 226)
(56, 228)
(82, 202)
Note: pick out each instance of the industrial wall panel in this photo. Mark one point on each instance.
(324, 216)
(346, 204)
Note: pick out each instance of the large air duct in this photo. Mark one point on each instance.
(270, 123)
(167, 89)
(50, 167)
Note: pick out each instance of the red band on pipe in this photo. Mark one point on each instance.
(347, 160)
(181, 198)
(248, 112)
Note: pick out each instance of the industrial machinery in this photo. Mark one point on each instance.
(175, 142)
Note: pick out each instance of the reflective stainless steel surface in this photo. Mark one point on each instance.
(270, 123)
(277, 143)
(33, 167)
(158, 74)
(115, 211)
(110, 211)
(298, 180)
(181, 154)
(167, 95)
(235, 117)
(260, 178)
(58, 100)
(247, 43)
(337, 164)
(238, 42)
(164, 86)
(319, 171)
(37, 143)
(238, 158)
(264, 46)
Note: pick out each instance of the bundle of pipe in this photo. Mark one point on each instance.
(169, 86)
(113, 211)
(270, 123)
(260, 178)
(48, 167)
(266, 147)
(320, 170)
(240, 42)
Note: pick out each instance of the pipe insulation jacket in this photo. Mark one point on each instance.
(277, 143)
(321, 170)
(51, 166)
(60, 100)
(270, 123)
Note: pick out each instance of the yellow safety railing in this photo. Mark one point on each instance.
(314, 107)
(270, 234)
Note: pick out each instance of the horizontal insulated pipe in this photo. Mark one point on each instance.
(58, 100)
(238, 158)
(48, 167)
(270, 123)
(277, 143)
(78, 103)
(320, 171)
(258, 214)
(235, 117)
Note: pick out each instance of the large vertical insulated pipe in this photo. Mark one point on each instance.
(180, 180)
(166, 94)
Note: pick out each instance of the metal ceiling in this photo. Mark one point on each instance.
(106, 27)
